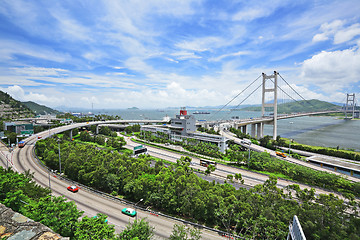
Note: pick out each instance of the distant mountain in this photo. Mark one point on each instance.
(40, 109)
(12, 109)
(299, 106)
(133, 108)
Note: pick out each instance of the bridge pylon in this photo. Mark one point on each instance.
(273, 90)
(350, 102)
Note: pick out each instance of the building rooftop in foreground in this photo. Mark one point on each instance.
(15, 226)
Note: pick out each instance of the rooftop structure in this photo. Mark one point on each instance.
(183, 127)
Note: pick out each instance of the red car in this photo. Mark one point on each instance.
(73, 188)
(39, 137)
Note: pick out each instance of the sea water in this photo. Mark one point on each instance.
(312, 130)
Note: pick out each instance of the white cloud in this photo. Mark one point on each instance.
(332, 71)
(235, 54)
(40, 71)
(201, 44)
(183, 55)
(347, 34)
(19, 94)
(337, 31)
(257, 9)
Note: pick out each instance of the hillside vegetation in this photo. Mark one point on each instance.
(40, 109)
(299, 106)
(11, 108)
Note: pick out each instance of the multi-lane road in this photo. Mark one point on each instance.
(92, 203)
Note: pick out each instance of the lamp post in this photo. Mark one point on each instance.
(59, 159)
(136, 207)
(49, 180)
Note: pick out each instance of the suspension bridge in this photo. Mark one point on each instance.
(270, 107)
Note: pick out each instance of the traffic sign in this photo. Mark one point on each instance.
(138, 147)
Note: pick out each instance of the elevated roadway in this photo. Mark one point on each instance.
(92, 203)
(258, 148)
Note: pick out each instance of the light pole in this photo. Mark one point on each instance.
(59, 159)
(49, 180)
(136, 207)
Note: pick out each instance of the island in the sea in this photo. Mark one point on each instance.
(133, 108)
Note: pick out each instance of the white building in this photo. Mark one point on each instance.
(183, 127)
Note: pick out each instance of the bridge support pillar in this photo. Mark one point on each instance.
(244, 129)
(260, 130)
(236, 126)
(253, 130)
(97, 129)
(273, 90)
(71, 134)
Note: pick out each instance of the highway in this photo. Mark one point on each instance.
(258, 148)
(250, 178)
(22, 159)
(87, 201)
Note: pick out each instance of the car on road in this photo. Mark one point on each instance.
(73, 188)
(129, 211)
(39, 137)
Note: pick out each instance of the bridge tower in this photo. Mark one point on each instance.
(350, 101)
(273, 90)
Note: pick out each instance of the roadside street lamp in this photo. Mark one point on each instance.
(136, 207)
(59, 159)
(49, 180)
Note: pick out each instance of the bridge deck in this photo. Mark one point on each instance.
(331, 161)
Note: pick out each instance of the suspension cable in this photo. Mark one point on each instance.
(296, 91)
(235, 97)
(245, 98)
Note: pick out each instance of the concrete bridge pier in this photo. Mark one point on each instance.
(71, 134)
(253, 130)
(236, 126)
(97, 129)
(260, 130)
(244, 129)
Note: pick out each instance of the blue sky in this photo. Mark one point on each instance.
(163, 53)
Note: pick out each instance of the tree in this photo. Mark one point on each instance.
(85, 136)
(210, 168)
(181, 232)
(139, 228)
(54, 212)
(95, 228)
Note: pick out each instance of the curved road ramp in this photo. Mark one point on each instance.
(15, 226)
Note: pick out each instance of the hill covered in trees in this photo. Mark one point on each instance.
(298, 106)
(40, 109)
(11, 108)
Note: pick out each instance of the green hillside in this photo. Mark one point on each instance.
(11, 108)
(40, 109)
(299, 106)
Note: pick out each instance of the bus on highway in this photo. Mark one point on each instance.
(281, 154)
(206, 163)
(21, 144)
